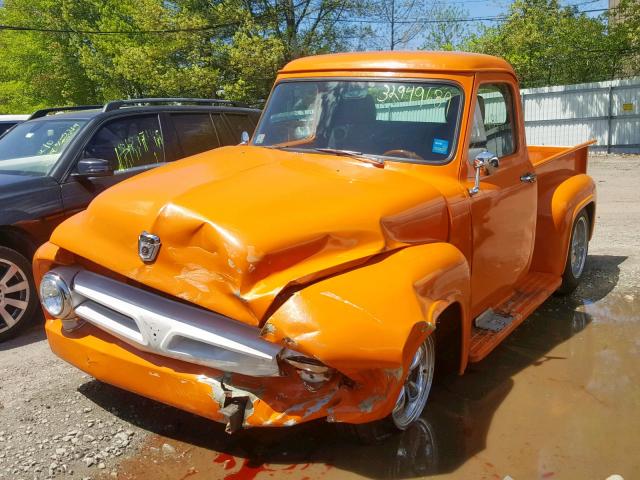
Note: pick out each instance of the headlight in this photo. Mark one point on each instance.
(55, 296)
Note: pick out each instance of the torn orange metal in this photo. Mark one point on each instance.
(326, 256)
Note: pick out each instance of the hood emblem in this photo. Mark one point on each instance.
(148, 247)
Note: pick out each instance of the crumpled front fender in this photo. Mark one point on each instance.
(368, 322)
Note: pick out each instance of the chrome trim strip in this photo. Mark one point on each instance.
(162, 326)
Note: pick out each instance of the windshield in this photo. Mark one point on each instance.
(389, 119)
(33, 148)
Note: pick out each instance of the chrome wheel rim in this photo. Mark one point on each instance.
(415, 391)
(579, 244)
(14, 294)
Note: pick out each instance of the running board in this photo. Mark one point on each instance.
(494, 325)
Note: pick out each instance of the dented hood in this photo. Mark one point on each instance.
(238, 224)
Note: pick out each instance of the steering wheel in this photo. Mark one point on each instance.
(403, 153)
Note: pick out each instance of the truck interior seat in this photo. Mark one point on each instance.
(352, 121)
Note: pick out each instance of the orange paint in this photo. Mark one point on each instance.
(329, 256)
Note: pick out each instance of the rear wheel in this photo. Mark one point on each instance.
(577, 256)
(411, 399)
(18, 298)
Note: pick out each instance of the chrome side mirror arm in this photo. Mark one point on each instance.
(486, 161)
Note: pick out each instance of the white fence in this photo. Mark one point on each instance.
(566, 115)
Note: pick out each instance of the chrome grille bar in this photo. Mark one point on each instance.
(156, 324)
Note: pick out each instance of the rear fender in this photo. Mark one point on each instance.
(368, 322)
(557, 211)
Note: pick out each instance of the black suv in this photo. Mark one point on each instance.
(55, 163)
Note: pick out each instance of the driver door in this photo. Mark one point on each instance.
(504, 209)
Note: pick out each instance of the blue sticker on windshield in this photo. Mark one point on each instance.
(440, 146)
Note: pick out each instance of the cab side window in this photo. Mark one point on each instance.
(128, 142)
(494, 126)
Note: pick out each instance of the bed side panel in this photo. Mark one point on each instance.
(563, 190)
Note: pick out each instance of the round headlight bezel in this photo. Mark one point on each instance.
(66, 304)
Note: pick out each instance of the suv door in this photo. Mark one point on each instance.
(503, 212)
(131, 144)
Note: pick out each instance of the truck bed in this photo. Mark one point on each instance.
(547, 158)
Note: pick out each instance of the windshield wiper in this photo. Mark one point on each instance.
(378, 162)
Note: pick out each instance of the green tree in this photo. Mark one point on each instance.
(40, 69)
(398, 23)
(306, 27)
(168, 48)
(254, 60)
(58, 68)
(549, 44)
(274, 32)
(447, 30)
(186, 63)
(624, 33)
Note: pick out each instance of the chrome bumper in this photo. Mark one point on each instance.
(155, 324)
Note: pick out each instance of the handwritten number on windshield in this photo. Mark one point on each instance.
(408, 93)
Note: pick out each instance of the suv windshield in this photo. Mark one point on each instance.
(33, 148)
(390, 119)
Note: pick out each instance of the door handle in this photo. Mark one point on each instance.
(528, 177)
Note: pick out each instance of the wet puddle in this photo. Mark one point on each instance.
(559, 399)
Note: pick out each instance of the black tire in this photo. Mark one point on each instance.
(18, 304)
(572, 275)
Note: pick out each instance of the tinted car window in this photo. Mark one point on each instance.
(224, 133)
(128, 142)
(195, 133)
(239, 122)
(4, 126)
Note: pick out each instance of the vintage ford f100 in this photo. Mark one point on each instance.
(387, 217)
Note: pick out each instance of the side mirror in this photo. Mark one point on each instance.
(486, 161)
(93, 167)
(244, 138)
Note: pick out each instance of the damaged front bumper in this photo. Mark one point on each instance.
(278, 401)
(156, 324)
(199, 361)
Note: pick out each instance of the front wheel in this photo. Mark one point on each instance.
(18, 298)
(411, 399)
(577, 255)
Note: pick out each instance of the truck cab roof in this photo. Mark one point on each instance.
(399, 61)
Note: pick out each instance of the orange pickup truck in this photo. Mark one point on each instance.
(387, 217)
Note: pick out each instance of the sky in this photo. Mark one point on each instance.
(484, 9)
(491, 8)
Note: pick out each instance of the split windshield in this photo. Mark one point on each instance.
(33, 148)
(387, 119)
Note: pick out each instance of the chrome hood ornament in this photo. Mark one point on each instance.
(148, 247)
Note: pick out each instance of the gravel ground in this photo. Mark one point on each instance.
(56, 422)
(49, 426)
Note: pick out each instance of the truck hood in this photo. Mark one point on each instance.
(239, 224)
